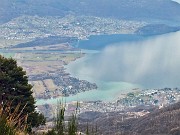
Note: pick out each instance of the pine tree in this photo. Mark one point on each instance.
(14, 87)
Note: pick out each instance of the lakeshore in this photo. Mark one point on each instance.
(117, 75)
(107, 91)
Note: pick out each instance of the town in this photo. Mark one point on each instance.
(145, 99)
(28, 28)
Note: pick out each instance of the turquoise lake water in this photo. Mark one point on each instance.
(125, 63)
(107, 90)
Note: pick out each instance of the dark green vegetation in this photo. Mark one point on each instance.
(15, 88)
(17, 105)
(16, 91)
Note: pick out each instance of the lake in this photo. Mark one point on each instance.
(98, 42)
(152, 62)
(123, 65)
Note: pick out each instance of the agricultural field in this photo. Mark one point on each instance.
(46, 71)
(42, 69)
(49, 83)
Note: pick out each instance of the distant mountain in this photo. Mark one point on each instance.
(154, 10)
(10, 9)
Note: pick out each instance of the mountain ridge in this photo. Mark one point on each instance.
(126, 9)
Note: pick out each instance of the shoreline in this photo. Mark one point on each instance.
(107, 91)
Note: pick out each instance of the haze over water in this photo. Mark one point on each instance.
(121, 67)
(153, 63)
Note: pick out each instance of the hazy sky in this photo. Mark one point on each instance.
(152, 63)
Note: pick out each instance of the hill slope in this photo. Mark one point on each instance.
(122, 9)
(164, 121)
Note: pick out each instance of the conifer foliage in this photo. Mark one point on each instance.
(14, 87)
